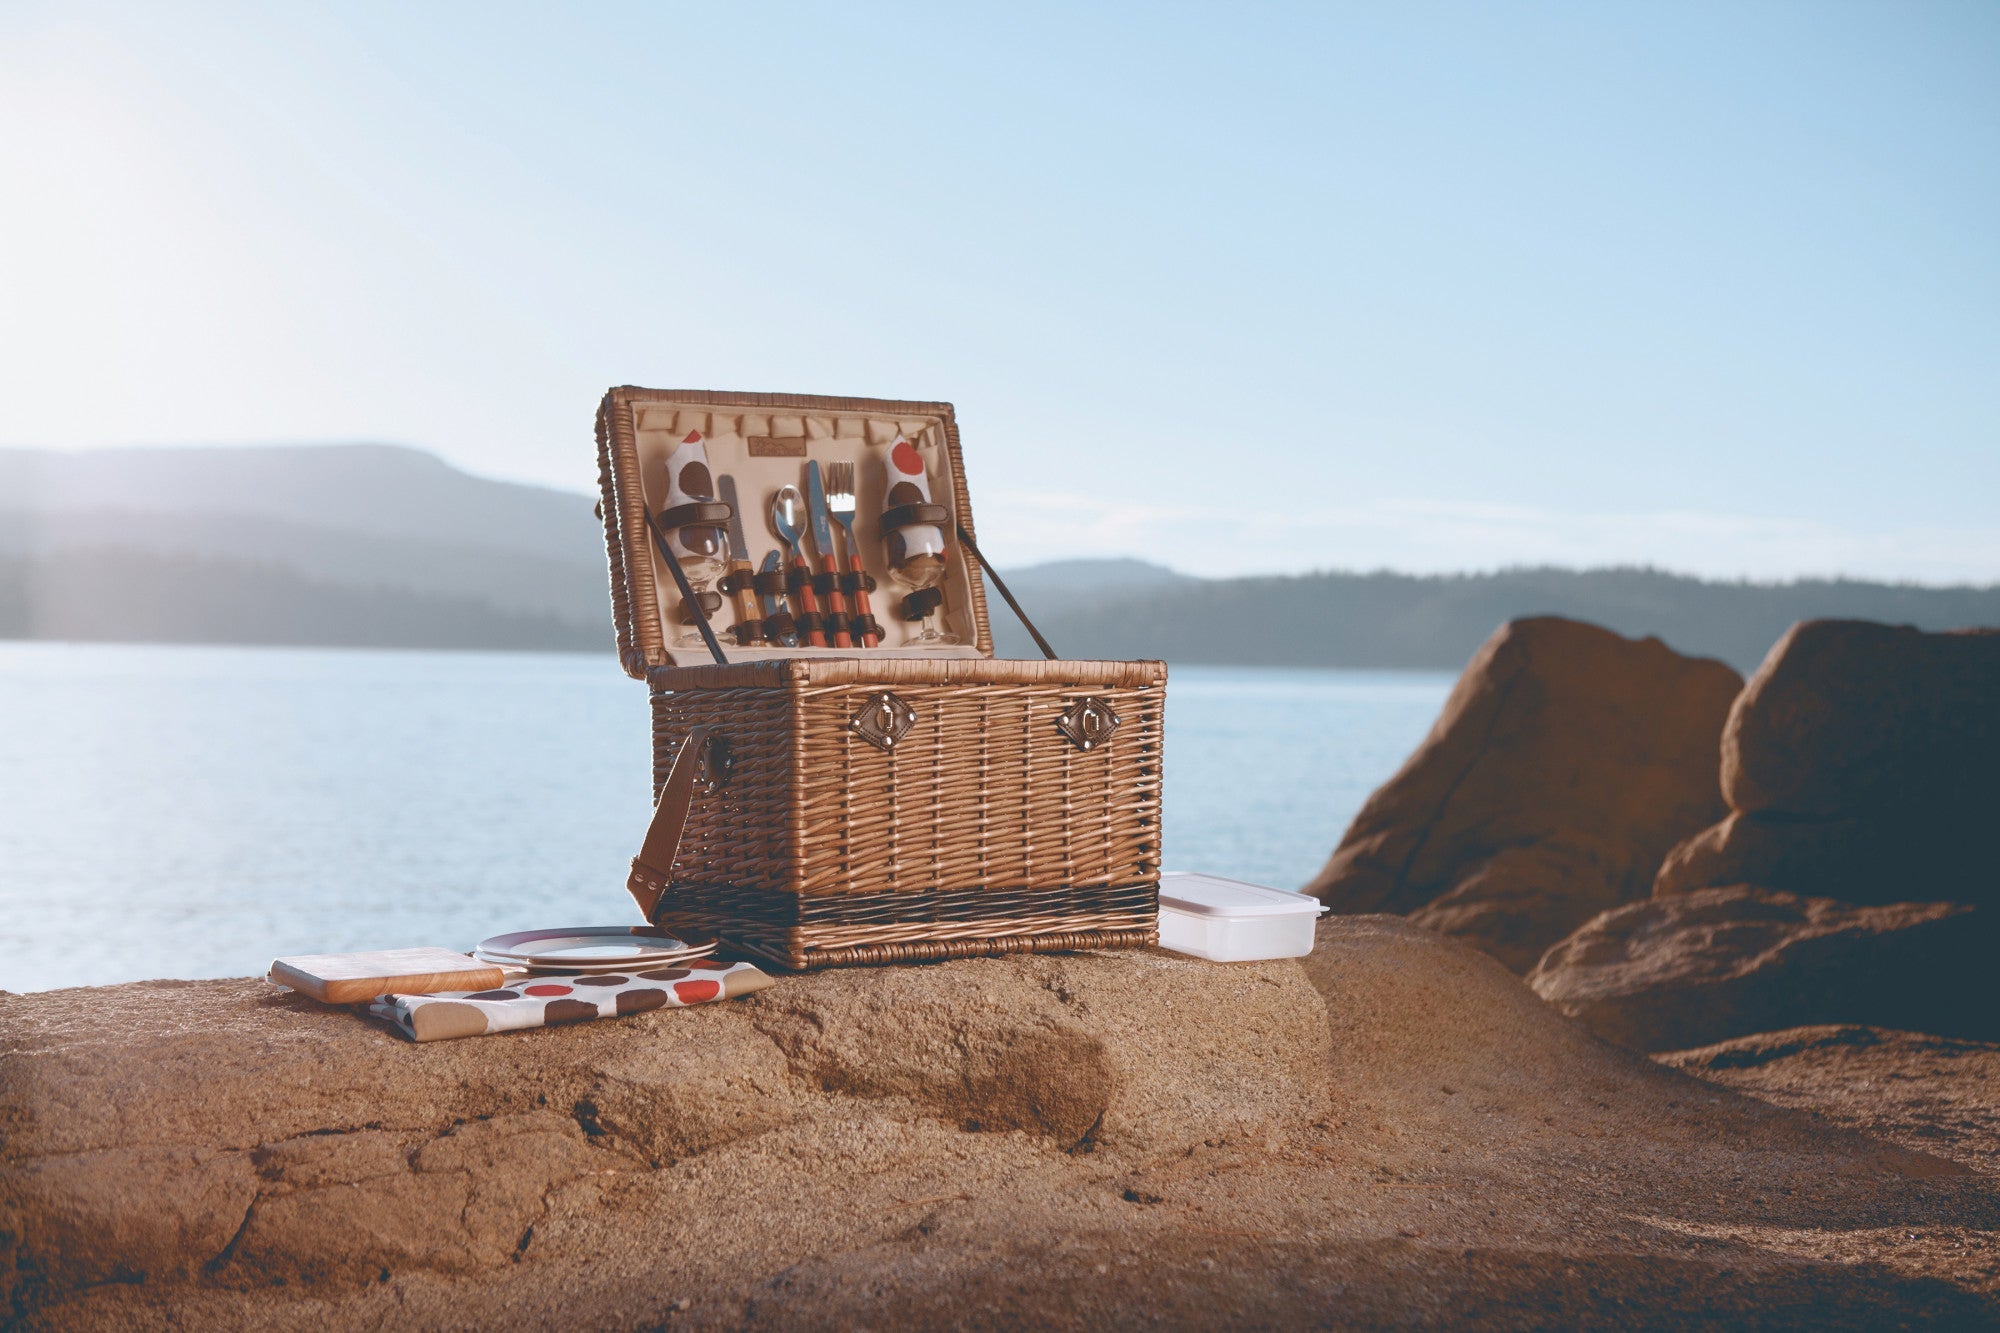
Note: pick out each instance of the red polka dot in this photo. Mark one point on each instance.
(694, 992)
(545, 989)
(694, 437)
(908, 461)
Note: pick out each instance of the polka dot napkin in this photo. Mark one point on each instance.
(531, 1001)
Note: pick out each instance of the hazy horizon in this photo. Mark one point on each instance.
(1702, 287)
(1025, 566)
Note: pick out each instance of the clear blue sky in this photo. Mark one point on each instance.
(1711, 286)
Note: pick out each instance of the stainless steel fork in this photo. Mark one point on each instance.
(840, 503)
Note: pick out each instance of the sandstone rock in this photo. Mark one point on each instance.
(1394, 1128)
(272, 1140)
(1688, 970)
(1566, 763)
(1933, 1094)
(1859, 763)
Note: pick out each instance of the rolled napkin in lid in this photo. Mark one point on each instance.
(908, 485)
(911, 529)
(690, 489)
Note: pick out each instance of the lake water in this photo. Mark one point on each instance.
(195, 811)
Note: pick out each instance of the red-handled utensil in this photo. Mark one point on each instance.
(787, 517)
(840, 503)
(829, 558)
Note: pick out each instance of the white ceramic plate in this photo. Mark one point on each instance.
(585, 945)
(596, 969)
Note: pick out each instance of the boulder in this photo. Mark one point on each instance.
(1688, 970)
(1566, 763)
(1392, 1129)
(1859, 763)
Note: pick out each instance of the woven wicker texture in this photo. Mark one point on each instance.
(984, 792)
(802, 933)
(986, 830)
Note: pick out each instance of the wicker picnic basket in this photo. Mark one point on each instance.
(829, 806)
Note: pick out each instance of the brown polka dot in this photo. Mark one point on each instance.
(602, 981)
(904, 493)
(495, 995)
(695, 482)
(666, 974)
(567, 1011)
(639, 1001)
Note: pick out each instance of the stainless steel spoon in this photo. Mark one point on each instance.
(788, 516)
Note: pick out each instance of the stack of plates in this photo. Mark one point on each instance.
(590, 949)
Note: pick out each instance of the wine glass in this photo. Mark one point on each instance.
(702, 550)
(922, 573)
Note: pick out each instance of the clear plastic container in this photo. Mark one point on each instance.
(1228, 921)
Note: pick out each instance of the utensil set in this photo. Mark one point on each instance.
(785, 602)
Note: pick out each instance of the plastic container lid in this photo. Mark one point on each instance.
(1211, 895)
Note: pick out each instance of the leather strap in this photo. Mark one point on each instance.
(915, 516)
(697, 513)
(709, 602)
(781, 626)
(653, 867)
(965, 540)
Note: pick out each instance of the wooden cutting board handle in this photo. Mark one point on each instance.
(653, 867)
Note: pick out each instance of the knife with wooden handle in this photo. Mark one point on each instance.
(740, 572)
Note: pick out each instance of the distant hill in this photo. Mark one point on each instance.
(1063, 584)
(135, 596)
(327, 544)
(371, 490)
(1406, 620)
(384, 546)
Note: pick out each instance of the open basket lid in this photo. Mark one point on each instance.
(764, 440)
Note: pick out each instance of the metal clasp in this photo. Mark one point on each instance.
(1088, 723)
(883, 720)
(713, 765)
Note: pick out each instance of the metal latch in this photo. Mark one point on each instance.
(883, 720)
(1088, 723)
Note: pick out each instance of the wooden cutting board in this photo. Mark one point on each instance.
(351, 978)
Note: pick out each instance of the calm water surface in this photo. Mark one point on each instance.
(195, 812)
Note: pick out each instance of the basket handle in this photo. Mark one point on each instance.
(653, 867)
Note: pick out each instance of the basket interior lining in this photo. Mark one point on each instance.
(858, 437)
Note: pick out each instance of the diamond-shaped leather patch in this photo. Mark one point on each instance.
(1088, 723)
(883, 720)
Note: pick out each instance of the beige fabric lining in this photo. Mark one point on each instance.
(859, 438)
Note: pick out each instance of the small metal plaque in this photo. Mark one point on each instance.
(1088, 723)
(883, 720)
